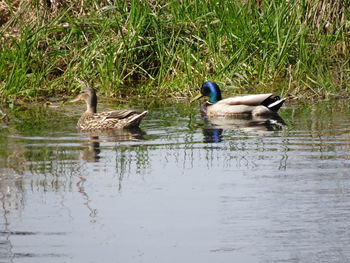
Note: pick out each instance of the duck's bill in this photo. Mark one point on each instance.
(75, 99)
(196, 98)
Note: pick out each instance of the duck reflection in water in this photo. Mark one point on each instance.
(92, 150)
(213, 133)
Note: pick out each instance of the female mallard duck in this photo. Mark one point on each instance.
(251, 105)
(90, 120)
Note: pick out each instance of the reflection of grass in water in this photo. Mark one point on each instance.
(322, 117)
(157, 49)
(132, 161)
(39, 121)
(18, 153)
(27, 164)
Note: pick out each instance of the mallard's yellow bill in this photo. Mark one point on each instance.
(196, 98)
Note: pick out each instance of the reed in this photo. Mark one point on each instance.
(162, 49)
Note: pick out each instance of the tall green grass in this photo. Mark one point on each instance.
(160, 49)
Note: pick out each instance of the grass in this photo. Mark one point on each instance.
(165, 49)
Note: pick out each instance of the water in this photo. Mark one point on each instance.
(178, 189)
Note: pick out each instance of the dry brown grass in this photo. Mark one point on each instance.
(327, 15)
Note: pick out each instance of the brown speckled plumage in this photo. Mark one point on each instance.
(91, 120)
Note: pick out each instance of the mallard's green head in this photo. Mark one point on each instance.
(211, 90)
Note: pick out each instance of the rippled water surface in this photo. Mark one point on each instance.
(177, 190)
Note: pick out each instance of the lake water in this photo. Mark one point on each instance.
(177, 190)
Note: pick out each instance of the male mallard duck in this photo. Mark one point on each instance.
(90, 120)
(251, 105)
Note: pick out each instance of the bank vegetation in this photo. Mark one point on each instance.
(165, 49)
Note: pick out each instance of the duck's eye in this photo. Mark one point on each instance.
(205, 90)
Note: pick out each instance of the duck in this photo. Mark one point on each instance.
(92, 121)
(242, 105)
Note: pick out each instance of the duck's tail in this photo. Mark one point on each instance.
(275, 106)
(135, 120)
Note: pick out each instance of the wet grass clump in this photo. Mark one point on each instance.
(162, 49)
